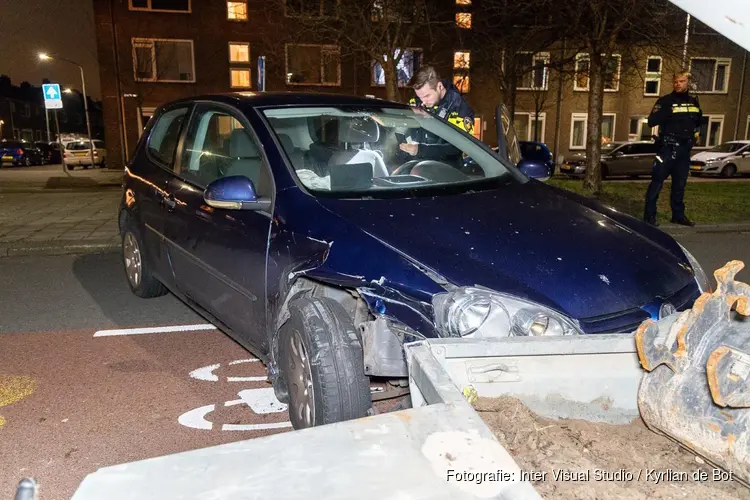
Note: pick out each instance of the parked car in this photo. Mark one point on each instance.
(77, 153)
(291, 222)
(51, 151)
(727, 160)
(536, 160)
(20, 153)
(631, 159)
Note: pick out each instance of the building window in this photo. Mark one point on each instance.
(27, 135)
(12, 107)
(528, 128)
(405, 69)
(461, 66)
(240, 78)
(313, 65)
(26, 111)
(611, 73)
(639, 129)
(534, 71)
(712, 128)
(478, 130)
(463, 20)
(239, 52)
(653, 76)
(161, 5)
(39, 135)
(163, 60)
(16, 134)
(463, 2)
(579, 128)
(710, 75)
(315, 8)
(237, 11)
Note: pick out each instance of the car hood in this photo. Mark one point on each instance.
(708, 155)
(526, 240)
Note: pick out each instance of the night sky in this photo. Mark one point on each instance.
(62, 27)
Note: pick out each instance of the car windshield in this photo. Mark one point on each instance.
(728, 147)
(14, 144)
(344, 151)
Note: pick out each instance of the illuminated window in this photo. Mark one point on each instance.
(461, 81)
(463, 20)
(237, 11)
(240, 78)
(239, 52)
(463, 2)
(461, 60)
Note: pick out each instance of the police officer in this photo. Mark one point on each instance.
(678, 116)
(441, 98)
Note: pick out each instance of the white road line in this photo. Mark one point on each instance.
(157, 329)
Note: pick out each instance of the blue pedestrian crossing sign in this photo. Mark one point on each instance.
(52, 96)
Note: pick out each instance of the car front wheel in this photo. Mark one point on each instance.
(322, 365)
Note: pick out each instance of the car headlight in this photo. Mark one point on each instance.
(704, 284)
(476, 312)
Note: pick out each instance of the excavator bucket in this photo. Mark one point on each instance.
(698, 369)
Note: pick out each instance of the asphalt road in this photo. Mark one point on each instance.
(81, 389)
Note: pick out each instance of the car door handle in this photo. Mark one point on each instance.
(169, 201)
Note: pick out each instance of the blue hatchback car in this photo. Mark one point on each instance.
(298, 226)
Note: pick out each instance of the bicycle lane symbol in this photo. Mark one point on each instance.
(260, 401)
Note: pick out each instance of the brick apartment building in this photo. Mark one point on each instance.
(152, 51)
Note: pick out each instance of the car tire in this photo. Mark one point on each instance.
(136, 266)
(321, 363)
(728, 171)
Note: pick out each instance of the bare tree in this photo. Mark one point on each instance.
(380, 31)
(603, 28)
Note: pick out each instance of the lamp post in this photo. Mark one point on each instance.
(46, 57)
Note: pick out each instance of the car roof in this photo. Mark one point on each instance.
(280, 98)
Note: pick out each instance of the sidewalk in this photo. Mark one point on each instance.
(57, 223)
(52, 177)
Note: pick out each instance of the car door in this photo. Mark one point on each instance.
(621, 161)
(151, 171)
(219, 255)
(743, 160)
(646, 156)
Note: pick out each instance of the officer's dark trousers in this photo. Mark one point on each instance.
(664, 166)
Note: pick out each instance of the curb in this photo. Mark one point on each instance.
(51, 248)
(675, 230)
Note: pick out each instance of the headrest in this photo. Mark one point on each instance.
(358, 129)
(241, 146)
(286, 143)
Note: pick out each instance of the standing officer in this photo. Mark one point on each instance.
(678, 116)
(441, 98)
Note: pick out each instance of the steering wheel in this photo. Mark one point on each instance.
(405, 168)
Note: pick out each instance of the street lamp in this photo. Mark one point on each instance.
(46, 57)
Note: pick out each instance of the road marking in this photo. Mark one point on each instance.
(157, 329)
(259, 400)
(207, 372)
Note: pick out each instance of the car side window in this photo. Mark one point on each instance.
(217, 145)
(165, 135)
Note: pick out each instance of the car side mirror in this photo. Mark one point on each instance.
(746, 154)
(235, 192)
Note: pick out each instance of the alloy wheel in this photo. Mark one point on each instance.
(299, 383)
(132, 256)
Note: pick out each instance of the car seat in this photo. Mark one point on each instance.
(353, 133)
(246, 160)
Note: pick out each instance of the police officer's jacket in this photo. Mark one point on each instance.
(677, 114)
(453, 108)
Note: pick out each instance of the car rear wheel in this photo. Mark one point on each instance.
(728, 171)
(321, 363)
(137, 268)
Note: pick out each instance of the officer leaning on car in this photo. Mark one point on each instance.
(678, 116)
(441, 98)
